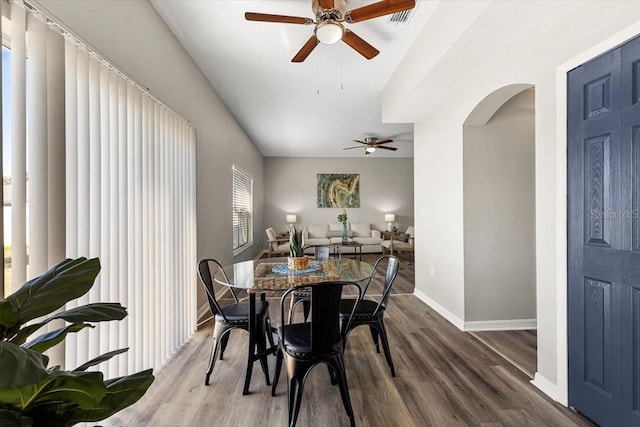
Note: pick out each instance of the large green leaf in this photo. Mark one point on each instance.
(84, 389)
(96, 312)
(45, 341)
(46, 293)
(100, 359)
(121, 392)
(20, 366)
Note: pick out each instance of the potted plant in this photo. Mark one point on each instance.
(35, 394)
(297, 260)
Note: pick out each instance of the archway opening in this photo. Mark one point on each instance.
(499, 223)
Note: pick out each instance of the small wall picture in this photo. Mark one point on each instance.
(338, 190)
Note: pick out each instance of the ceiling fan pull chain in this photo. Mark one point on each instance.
(318, 73)
(342, 67)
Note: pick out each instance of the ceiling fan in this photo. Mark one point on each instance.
(371, 144)
(331, 15)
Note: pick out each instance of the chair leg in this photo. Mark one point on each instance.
(223, 344)
(296, 373)
(374, 335)
(385, 345)
(276, 375)
(338, 362)
(262, 347)
(218, 335)
(269, 332)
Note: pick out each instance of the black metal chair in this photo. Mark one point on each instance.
(233, 316)
(305, 345)
(371, 313)
(320, 253)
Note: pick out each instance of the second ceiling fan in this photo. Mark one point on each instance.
(331, 15)
(371, 143)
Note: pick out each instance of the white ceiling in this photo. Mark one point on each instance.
(314, 108)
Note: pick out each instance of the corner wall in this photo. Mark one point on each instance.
(386, 186)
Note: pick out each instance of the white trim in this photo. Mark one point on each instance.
(452, 318)
(501, 325)
(546, 386)
(561, 390)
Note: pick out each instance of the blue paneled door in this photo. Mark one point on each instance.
(604, 237)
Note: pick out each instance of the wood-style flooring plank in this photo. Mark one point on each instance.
(518, 347)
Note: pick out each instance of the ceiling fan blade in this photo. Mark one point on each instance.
(361, 46)
(326, 4)
(306, 49)
(266, 17)
(387, 148)
(381, 8)
(384, 141)
(361, 142)
(351, 148)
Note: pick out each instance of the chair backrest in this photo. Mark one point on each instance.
(272, 236)
(321, 253)
(325, 313)
(207, 269)
(393, 264)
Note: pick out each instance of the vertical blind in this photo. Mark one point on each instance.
(242, 210)
(110, 174)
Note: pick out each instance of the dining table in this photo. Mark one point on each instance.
(272, 276)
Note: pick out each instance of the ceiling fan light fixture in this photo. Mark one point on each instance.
(329, 31)
(370, 149)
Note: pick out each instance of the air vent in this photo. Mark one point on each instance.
(400, 17)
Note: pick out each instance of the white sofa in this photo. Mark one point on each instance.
(328, 234)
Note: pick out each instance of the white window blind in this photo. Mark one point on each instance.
(99, 168)
(242, 211)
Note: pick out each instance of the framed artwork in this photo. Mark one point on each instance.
(338, 190)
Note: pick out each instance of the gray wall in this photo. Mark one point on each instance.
(386, 186)
(499, 214)
(134, 37)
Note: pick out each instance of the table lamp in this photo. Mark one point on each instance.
(291, 219)
(389, 218)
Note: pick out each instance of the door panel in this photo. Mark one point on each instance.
(594, 239)
(604, 237)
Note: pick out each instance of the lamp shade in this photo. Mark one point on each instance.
(389, 217)
(291, 218)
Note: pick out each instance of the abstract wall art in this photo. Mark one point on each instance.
(338, 190)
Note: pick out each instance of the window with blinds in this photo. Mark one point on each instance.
(94, 166)
(242, 211)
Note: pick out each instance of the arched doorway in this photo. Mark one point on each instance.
(499, 223)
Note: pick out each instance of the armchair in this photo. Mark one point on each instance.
(396, 244)
(276, 245)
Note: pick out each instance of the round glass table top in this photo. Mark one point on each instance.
(269, 275)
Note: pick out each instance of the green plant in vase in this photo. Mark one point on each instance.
(35, 394)
(297, 260)
(343, 219)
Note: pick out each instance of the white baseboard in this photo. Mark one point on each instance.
(501, 325)
(545, 386)
(452, 318)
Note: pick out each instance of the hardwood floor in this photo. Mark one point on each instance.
(518, 347)
(445, 377)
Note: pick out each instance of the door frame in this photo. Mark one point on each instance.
(562, 353)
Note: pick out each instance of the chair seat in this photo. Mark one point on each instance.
(364, 310)
(298, 339)
(239, 312)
